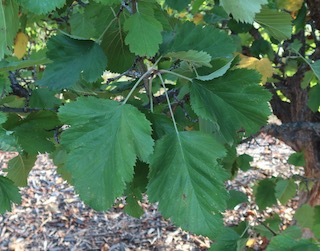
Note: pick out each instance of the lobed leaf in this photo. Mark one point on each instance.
(66, 69)
(102, 146)
(188, 182)
(8, 193)
(233, 102)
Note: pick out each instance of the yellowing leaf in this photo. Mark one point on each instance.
(263, 66)
(250, 243)
(290, 5)
(20, 45)
(198, 18)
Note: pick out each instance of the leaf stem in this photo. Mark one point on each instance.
(105, 30)
(176, 74)
(169, 104)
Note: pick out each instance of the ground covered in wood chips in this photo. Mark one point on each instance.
(51, 216)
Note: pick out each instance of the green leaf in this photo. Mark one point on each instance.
(178, 5)
(265, 194)
(41, 6)
(227, 239)
(314, 100)
(144, 33)
(297, 159)
(186, 37)
(272, 223)
(236, 198)
(305, 216)
(243, 10)
(8, 142)
(187, 181)
(43, 98)
(277, 24)
(197, 58)
(3, 117)
(217, 73)
(102, 146)
(34, 132)
(66, 69)
(108, 2)
(8, 193)
(243, 162)
(9, 24)
(82, 25)
(19, 168)
(135, 189)
(233, 102)
(285, 190)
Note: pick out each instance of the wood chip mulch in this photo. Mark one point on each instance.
(52, 217)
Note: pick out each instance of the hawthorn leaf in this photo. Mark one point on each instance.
(186, 37)
(188, 182)
(297, 159)
(265, 193)
(8, 193)
(178, 4)
(243, 10)
(198, 58)
(285, 190)
(103, 142)
(9, 24)
(66, 69)
(144, 33)
(234, 101)
(82, 25)
(277, 24)
(34, 132)
(41, 6)
(19, 168)
(227, 239)
(43, 98)
(217, 73)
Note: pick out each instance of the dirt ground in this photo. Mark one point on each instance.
(51, 216)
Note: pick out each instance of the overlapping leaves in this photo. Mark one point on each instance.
(102, 146)
(188, 182)
(41, 6)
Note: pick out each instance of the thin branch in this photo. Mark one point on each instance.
(24, 109)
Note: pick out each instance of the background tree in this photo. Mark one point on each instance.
(190, 81)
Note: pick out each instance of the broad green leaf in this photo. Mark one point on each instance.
(227, 239)
(273, 223)
(265, 194)
(8, 193)
(316, 68)
(243, 162)
(186, 37)
(278, 24)
(188, 182)
(119, 56)
(233, 102)
(19, 168)
(178, 4)
(198, 58)
(3, 117)
(305, 216)
(43, 98)
(285, 190)
(236, 198)
(9, 24)
(34, 132)
(82, 25)
(41, 6)
(66, 69)
(243, 10)
(103, 143)
(314, 100)
(297, 159)
(217, 73)
(144, 33)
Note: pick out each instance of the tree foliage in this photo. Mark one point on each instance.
(153, 96)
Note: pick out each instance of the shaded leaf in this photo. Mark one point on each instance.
(233, 101)
(187, 181)
(227, 239)
(178, 4)
(43, 98)
(198, 58)
(217, 73)
(236, 198)
(19, 168)
(297, 159)
(8, 193)
(265, 194)
(305, 216)
(102, 146)
(66, 69)
(285, 190)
